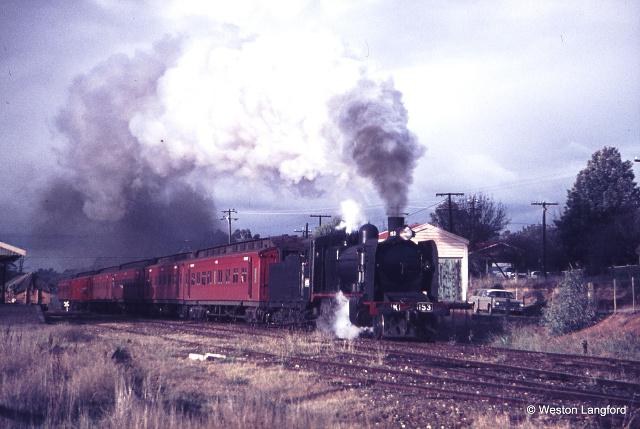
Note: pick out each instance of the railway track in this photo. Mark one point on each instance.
(564, 362)
(403, 367)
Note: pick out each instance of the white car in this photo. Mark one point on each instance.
(495, 300)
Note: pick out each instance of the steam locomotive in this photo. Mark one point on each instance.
(391, 285)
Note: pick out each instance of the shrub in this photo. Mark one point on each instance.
(571, 308)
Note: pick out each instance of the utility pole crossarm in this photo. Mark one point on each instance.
(305, 231)
(320, 218)
(450, 194)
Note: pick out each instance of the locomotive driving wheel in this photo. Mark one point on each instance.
(380, 323)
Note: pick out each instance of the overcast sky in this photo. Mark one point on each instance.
(104, 103)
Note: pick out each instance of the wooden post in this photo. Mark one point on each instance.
(633, 293)
(615, 306)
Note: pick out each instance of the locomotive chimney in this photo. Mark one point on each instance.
(394, 223)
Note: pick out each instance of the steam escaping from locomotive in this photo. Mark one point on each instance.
(352, 216)
(337, 322)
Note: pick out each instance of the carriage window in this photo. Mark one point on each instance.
(243, 275)
(193, 278)
(208, 277)
(219, 276)
(235, 275)
(227, 276)
(198, 278)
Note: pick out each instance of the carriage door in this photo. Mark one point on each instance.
(187, 287)
(175, 280)
(245, 275)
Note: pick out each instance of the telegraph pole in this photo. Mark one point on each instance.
(449, 194)
(229, 219)
(320, 218)
(305, 231)
(544, 205)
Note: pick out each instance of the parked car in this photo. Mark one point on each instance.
(511, 273)
(495, 300)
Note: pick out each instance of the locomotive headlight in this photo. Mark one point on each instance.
(406, 233)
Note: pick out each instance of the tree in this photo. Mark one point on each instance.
(529, 240)
(571, 308)
(598, 227)
(477, 218)
(240, 235)
(328, 227)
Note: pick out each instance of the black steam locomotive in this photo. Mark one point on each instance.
(391, 285)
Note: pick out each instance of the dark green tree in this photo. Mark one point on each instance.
(477, 218)
(571, 308)
(529, 240)
(240, 235)
(328, 227)
(599, 225)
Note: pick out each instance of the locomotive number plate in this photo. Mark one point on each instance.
(425, 306)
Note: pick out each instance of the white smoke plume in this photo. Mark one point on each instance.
(260, 109)
(293, 111)
(352, 216)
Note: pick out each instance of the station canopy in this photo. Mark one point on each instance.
(9, 253)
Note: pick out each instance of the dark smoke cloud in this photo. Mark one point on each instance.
(103, 155)
(162, 219)
(372, 124)
(111, 204)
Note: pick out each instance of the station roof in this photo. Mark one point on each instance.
(28, 281)
(9, 253)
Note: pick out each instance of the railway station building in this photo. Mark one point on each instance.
(8, 255)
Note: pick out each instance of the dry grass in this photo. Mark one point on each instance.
(85, 377)
(602, 340)
(63, 376)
